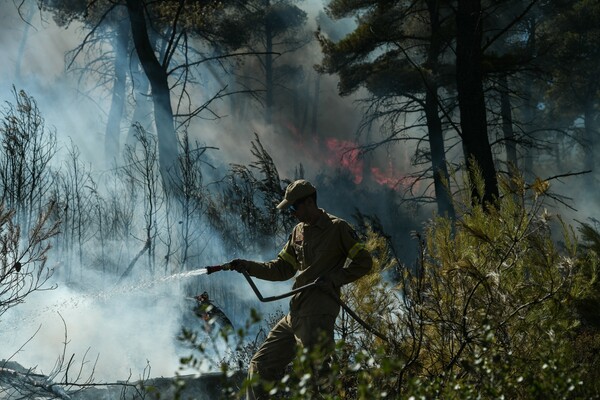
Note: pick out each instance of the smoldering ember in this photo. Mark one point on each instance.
(300, 199)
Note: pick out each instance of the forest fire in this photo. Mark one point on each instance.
(347, 155)
(142, 139)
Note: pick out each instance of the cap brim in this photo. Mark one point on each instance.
(284, 204)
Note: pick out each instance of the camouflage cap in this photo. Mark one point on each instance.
(295, 191)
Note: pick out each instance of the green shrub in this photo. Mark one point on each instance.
(494, 307)
(488, 311)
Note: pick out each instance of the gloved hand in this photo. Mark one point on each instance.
(238, 265)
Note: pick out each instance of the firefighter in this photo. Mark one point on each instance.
(321, 247)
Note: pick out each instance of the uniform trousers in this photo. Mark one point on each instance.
(281, 346)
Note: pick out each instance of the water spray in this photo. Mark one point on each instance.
(215, 268)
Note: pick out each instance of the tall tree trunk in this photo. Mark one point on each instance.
(142, 98)
(112, 138)
(306, 104)
(471, 101)
(268, 64)
(315, 107)
(441, 178)
(529, 106)
(21, 51)
(507, 123)
(590, 132)
(161, 97)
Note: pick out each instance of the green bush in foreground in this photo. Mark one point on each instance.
(492, 309)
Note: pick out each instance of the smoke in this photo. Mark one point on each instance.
(131, 326)
(306, 110)
(118, 331)
(113, 333)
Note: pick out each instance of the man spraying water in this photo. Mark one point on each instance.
(317, 250)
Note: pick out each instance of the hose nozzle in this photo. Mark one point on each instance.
(216, 268)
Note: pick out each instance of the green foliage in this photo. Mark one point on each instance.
(571, 31)
(587, 337)
(488, 311)
(492, 300)
(572, 34)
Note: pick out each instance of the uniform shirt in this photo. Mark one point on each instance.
(318, 250)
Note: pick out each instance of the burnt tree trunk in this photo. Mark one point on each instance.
(142, 99)
(269, 84)
(507, 123)
(22, 44)
(161, 96)
(441, 178)
(112, 145)
(142, 111)
(315, 108)
(471, 101)
(528, 105)
(590, 132)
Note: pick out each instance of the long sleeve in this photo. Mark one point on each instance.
(360, 259)
(282, 268)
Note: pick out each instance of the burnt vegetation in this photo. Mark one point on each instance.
(490, 293)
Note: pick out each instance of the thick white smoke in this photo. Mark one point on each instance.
(119, 331)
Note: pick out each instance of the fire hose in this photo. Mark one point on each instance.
(316, 283)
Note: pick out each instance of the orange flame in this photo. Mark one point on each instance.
(347, 155)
